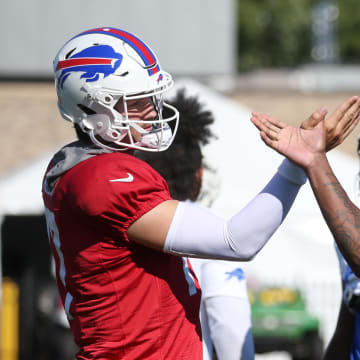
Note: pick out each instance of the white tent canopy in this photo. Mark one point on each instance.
(300, 251)
(20, 191)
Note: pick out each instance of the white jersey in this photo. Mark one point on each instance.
(220, 278)
(225, 313)
(225, 310)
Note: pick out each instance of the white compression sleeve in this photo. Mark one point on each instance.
(195, 231)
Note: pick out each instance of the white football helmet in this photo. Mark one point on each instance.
(99, 67)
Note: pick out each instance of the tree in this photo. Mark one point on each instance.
(273, 33)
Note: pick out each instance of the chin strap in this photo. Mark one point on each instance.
(157, 139)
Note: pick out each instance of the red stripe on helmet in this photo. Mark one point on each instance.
(63, 64)
(134, 40)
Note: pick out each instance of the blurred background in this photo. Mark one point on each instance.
(286, 58)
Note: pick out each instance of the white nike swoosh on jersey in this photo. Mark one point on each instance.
(130, 178)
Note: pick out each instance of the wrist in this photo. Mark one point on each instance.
(292, 172)
(319, 159)
(318, 162)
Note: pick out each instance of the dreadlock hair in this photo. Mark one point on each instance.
(179, 164)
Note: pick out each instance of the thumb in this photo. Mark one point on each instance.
(314, 118)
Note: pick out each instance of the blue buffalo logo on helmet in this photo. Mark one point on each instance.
(93, 61)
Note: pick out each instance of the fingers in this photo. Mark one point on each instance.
(353, 114)
(268, 141)
(342, 122)
(257, 121)
(344, 108)
(266, 125)
(350, 115)
(346, 132)
(352, 127)
(314, 118)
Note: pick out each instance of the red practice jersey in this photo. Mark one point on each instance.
(123, 300)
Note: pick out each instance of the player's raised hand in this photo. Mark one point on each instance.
(339, 125)
(299, 145)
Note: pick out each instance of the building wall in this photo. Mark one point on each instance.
(190, 37)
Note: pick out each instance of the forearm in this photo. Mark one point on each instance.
(197, 232)
(341, 215)
(251, 228)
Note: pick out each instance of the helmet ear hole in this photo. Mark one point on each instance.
(99, 123)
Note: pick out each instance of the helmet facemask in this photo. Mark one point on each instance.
(117, 130)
